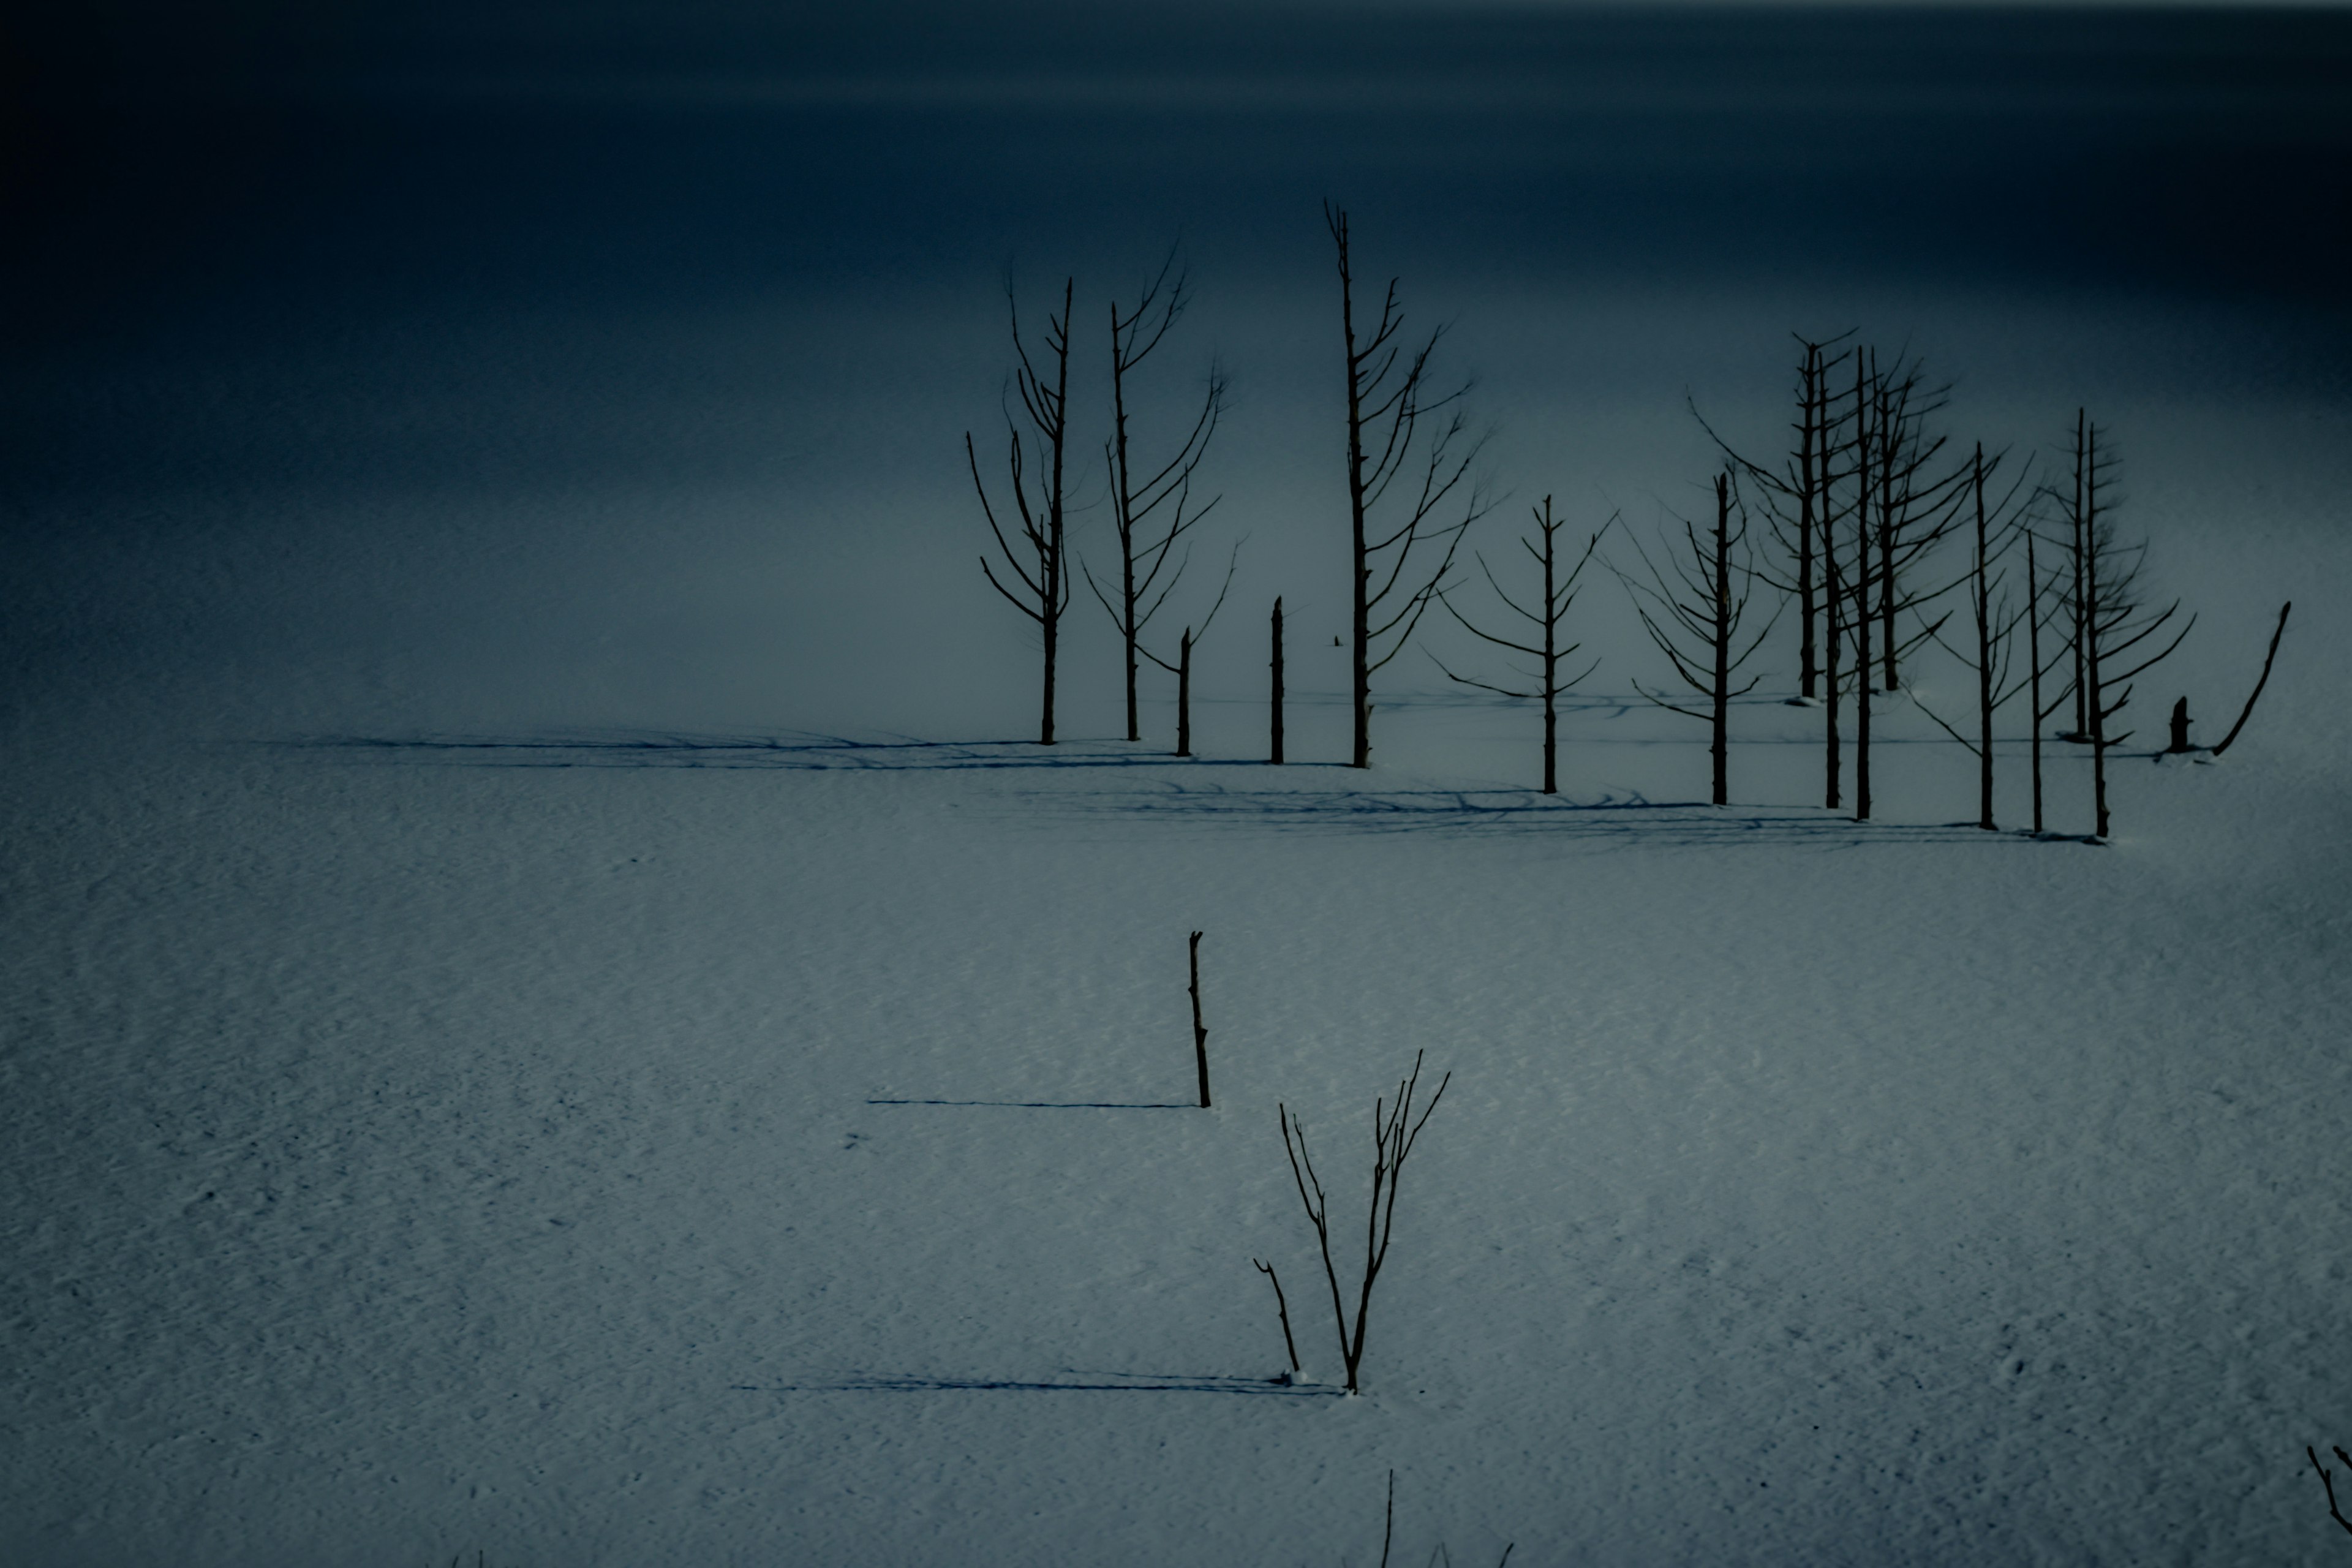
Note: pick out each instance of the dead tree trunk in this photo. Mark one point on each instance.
(1559, 593)
(1185, 695)
(2113, 619)
(1997, 524)
(1200, 1033)
(1695, 620)
(1277, 702)
(1387, 394)
(1152, 510)
(1045, 586)
(1862, 674)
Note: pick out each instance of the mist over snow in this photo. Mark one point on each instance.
(555, 1008)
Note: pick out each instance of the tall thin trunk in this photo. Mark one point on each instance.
(1185, 695)
(2095, 698)
(1200, 1057)
(1052, 605)
(1886, 460)
(1861, 600)
(1277, 703)
(1550, 665)
(1807, 657)
(1124, 518)
(1834, 628)
(1359, 585)
(1984, 658)
(2074, 519)
(2033, 675)
(1722, 585)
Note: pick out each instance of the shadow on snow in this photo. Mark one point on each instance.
(1069, 1382)
(1310, 797)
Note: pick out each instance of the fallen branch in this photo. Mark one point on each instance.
(2265, 679)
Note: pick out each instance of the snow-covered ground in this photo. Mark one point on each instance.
(550, 1011)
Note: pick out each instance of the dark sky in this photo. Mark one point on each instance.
(2204, 150)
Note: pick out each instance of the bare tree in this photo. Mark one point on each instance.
(1391, 580)
(2112, 618)
(1987, 659)
(1040, 565)
(1916, 506)
(1795, 498)
(1559, 593)
(1395, 1133)
(1153, 509)
(1695, 618)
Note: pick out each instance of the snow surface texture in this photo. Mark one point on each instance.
(549, 1010)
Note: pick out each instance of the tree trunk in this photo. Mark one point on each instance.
(1185, 695)
(1834, 628)
(1722, 636)
(1984, 659)
(2034, 674)
(2076, 520)
(1808, 656)
(2095, 698)
(1550, 665)
(1126, 523)
(1861, 604)
(1201, 1057)
(1052, 605)
(1359, 585)
(1276, 704)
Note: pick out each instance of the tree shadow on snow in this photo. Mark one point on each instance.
(1310, 796)
(789, 751)
(1071, 1381)
(1627, 817)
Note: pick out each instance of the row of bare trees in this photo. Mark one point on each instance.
(1879, 532)
(1859, 507)
(1153, 507)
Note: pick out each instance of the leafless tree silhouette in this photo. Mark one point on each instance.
(1796, 498)
(2112, 618)
(1914, 505)
(1559, 593)
(1396, 428)
(1153, 509)
(1040, 564)
(1694, 617)
(1998, 527)
(1394, 1134)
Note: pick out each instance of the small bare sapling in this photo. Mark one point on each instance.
(2327, 1480)
(1395, 1133)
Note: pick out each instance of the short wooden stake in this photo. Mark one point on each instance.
(1277, 758)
